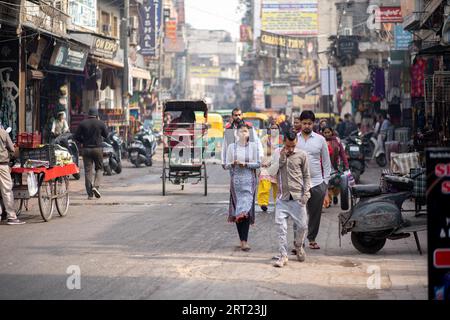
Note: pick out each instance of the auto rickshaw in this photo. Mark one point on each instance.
(331, 121)
(215, 126)
(259, 121)
(226, 115)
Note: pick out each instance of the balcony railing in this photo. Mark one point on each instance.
(47, 16)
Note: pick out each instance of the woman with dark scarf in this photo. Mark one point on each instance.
(339, 164)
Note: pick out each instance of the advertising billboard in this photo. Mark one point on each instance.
(84, 13)
(292, 17)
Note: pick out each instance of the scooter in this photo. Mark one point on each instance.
(142, 148)
(115, 161)
(66, 141)
(377, 215)
(355, 155)
(111, 161)
(379, 153)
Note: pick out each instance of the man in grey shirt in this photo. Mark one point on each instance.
(294, 183)
(319, 162)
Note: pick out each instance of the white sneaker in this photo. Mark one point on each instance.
(301, 254)
(281, 262)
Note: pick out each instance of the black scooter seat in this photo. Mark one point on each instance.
(400, 183)
(368, 190)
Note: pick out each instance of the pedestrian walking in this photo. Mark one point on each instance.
(229, 134)
(243, 158)
(90, 133)
(339, 164)
(319, 162)
(269, 169)
(294, 182)
(297, 125)
(6, 184)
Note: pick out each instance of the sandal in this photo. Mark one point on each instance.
(314, 246)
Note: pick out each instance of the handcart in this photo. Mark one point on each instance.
(184, 144)
(53, 188)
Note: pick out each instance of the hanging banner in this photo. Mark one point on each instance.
(389, 15)
(287, 47)
(150, 17)
(403, 39)
(293, 17)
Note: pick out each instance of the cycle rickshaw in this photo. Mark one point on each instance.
(184, 143)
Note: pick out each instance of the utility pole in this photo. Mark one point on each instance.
(126, 66)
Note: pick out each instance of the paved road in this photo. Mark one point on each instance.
(135, 244)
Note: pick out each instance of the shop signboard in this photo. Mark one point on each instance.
(438, 195)
(104, 47)
(389, 15)
(258, 95)
(84, 13)
(328, 81)
(150, 17)
(69, 57)
(293, 17)
(204, 72)
(403, 39)
(289, 47)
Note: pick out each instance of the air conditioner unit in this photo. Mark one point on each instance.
(134, 23)
(348, 32)
(106, 28)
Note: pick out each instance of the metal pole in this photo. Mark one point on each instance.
(126, 67)
(329, 90)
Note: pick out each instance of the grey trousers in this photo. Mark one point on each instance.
(92, 157)
(297, 211)
(314, 209)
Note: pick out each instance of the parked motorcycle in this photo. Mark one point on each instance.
(66, 141)
(356, 159)
(379, 153)
(377, 215)
(111, 155)
(142, 148)
(115, 161)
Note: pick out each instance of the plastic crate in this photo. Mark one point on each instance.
(29, 140)
(46, 153)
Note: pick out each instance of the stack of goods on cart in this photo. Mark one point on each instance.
(34, 154)
(63, 156)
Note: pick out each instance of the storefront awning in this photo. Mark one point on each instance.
(107, 62)
(304, 91)
(431, 8)
(140, 73)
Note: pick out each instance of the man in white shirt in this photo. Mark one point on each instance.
(316, 148)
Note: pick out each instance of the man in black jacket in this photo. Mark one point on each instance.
(90, 134)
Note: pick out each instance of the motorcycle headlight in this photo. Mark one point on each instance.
(108, 150)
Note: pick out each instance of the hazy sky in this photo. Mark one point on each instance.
(214, 15)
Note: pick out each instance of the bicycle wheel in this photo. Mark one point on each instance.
(62, 193)
(45, 200)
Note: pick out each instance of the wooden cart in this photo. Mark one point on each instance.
(53, 189)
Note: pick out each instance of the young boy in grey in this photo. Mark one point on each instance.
(294, 183)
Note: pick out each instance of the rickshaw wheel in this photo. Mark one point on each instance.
(206, 179)
(45, 200)
(62, 203)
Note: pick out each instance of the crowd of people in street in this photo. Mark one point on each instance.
(301, 167)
